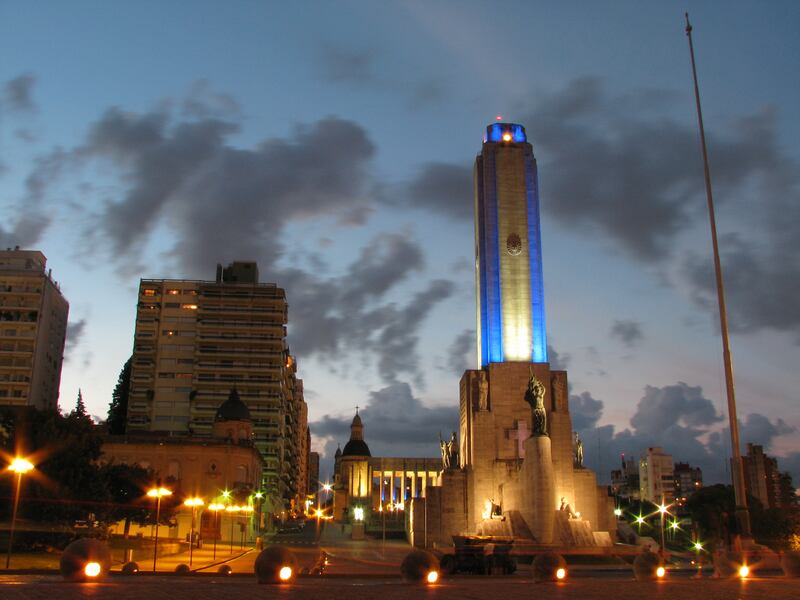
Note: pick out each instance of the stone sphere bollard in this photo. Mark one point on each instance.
(130, 568)
(549, 566)
(420, 567)
(85, 559)
(224, 570)
(790, 563)
(646, 565)
(183, 569)
(276, 564)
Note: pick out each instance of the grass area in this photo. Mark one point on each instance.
(35, 560)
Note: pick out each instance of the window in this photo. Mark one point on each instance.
(189, 306)
(149, 292)
(173, 292)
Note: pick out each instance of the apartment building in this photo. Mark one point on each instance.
(194, 341)
(656, 476)
(33, 330)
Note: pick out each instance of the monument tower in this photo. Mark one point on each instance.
(518, 471)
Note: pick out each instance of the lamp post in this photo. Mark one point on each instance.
(662, 509)
(193, 503)
(248, 510)
(232, 509)
(260, 497)
(157, 493)
(20, 466)
(215, 508)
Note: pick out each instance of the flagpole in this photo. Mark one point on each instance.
(742, 513)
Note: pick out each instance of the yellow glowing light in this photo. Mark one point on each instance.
(247, 508)
(487, 509)
(640, 520)
(744, 571)
(662, 508)
(92, 569)
(215, 507)
(327, 487)
(20, 466)
(233, 508)
(259, 495)
(617, 512)
(674, 525)
(159, 492)
(561, 573)
(433, 576)
(358, 513)
(660, 572)
(506, 137)
(193, 502)
(285, 573)
(226, 493)
(698, 546)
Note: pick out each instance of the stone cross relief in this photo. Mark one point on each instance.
(521, 433)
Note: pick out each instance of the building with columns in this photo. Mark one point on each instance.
(376, 483)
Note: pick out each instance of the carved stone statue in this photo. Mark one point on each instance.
(567, 508)
(578, 451)
(449, 450)
(534, 396)
(483, 392)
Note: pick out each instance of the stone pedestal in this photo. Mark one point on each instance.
(585, 501)
(538, 488)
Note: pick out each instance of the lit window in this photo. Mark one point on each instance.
(173, 292)
(189, 306)
(149, 292)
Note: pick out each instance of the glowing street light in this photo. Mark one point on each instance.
(157, 493)
(20, 466)
(215, 508)
(663, 510)
(618, 512)
(193, 503)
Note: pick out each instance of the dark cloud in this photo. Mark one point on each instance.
(346, 65)
(330, 316)
(202, 102)
(585, 411)
(461, 352)
(680, 419)
(75, 331)
(628, 332)
(558, 361)
(443, 188)
(395, 424)
(18, 93)
(224, 203)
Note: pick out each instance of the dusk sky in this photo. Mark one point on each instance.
(333, 143)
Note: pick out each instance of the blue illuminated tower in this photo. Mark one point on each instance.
(508, 249)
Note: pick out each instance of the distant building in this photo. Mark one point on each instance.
(374, 483)
(224, 467)
(33, 329)
(688, 480)
(656, 476)
(761, 476)
(313, 473)
(193, 341)
(625, 481)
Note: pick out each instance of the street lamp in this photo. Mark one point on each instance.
(215, 508)
(232, 509)
(157, 493)
(662, 509)
(20, 466)
(247, 509)
(193, 503)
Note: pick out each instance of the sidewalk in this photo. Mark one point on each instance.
(202, 558)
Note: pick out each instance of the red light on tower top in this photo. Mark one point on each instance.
(499, 117)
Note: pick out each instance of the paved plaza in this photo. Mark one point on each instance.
(166, 587)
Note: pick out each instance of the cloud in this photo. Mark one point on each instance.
(75, 331)
(680, 419)
(346, 65)
(202, 102)
(461, 352)
(443, 188)
(628, 332)
(18, 93)
(585, 411)
(396, 423)
(558, 361)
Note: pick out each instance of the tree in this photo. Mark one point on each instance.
(118, 409)
(79, 412)
(127, 486)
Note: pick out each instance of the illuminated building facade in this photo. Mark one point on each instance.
(656, 476)
(33, 330)
(508, 250)
(196, 339)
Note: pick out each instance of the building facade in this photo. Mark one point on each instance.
(193, 341)
(222, 468)
(761, 476)
(688, 480)
(625, 480)
(656, 476)
(33, 330)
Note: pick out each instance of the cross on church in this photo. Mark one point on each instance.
(521, 433)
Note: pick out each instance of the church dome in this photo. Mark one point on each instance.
(356, 448)
(233, 409)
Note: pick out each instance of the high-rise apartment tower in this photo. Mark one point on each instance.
(33, 329)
